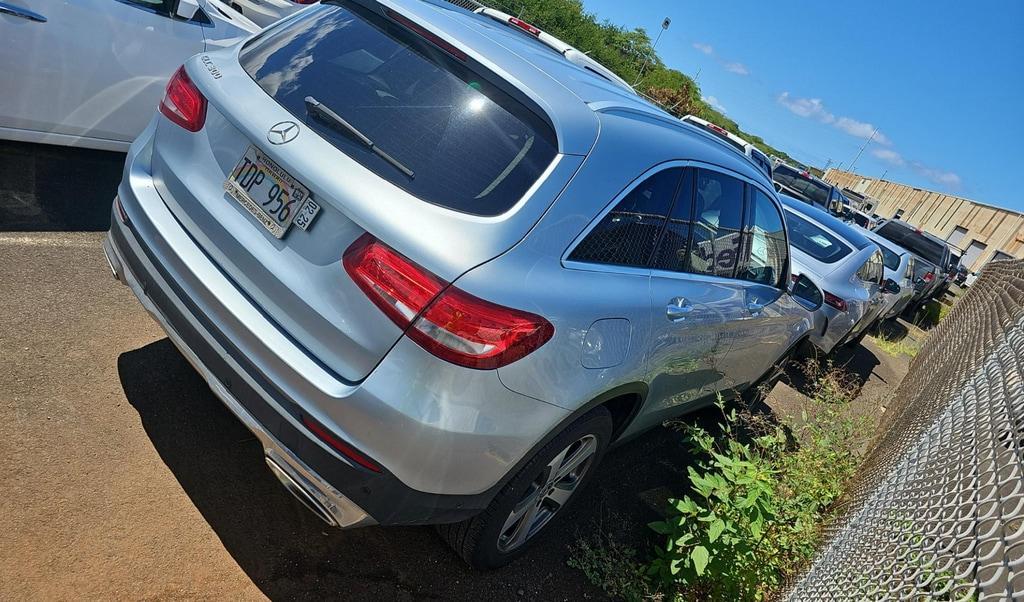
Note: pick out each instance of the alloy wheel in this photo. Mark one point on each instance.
(548, 493)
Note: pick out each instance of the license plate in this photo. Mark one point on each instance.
(270, 194)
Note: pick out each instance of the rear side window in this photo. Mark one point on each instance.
(628, 233)
(468, 145)
(717, 224)
(672, 248)
(815, 241)
(764, 242)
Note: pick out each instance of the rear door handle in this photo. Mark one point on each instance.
(755, 307)
(677, 309)
(24, 13)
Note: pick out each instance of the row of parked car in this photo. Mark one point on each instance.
(388, 235)
(919, 261)
(931, 265)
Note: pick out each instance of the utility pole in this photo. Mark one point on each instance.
(827, 163)
(883, 174)
(664, 27)
(865, 145)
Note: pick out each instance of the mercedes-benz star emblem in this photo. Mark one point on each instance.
(286, 131)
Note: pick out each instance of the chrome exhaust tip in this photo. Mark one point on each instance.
(112, 262)
(300, 492)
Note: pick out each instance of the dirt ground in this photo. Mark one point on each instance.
(123, 477)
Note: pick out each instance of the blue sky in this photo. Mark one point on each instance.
(942, 81)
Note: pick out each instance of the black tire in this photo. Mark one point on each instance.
(476, 539)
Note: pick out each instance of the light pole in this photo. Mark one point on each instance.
(865, 145)
(664, 27)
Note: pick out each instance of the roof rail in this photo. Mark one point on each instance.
(570, 53)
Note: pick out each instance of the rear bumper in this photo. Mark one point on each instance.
(447, 437)
(305, 483)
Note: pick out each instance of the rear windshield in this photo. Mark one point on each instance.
(913, 241)
(463, 142)
(814, 241)
(790, 178)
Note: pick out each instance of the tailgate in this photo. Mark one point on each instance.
(298, 280)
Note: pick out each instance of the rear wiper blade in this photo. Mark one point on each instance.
(319, 109)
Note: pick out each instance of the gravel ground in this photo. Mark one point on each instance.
(123, 477)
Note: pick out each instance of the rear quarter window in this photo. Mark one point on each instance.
(470, 146)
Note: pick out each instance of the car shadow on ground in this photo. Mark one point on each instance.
(290, 554)
(56, 188)
(857, 362)
(893, 330)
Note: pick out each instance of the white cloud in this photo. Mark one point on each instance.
(889, 156)
(711, 100)
(737, 68)
(815, 108)
(942, 178)
(861, 129)
(806, 107)
(946, 179)
(731, 67)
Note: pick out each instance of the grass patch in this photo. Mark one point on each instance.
(759, 493)
(894, 347)
(613, 567)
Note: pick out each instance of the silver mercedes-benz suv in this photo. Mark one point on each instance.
(437, 268)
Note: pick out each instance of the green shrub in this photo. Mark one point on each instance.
(759, 499)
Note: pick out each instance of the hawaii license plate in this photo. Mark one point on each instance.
(270, 194)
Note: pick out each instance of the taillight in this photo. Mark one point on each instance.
(929, 277)
(183, 103)
(836, 302)
(530, 29)
(474, 333)
(342, 447)
(449, 323)
(400, 288)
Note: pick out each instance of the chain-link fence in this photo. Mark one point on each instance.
(937, 510)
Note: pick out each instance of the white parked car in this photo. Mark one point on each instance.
(265, 12)
(90, 73)
(899, 267)
(759, 158)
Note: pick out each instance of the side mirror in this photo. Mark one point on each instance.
(805, 292)
(890, 286)
(186, 9)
